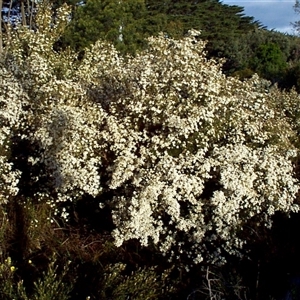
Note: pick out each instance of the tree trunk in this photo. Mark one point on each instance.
(23, 13)
(31, 11)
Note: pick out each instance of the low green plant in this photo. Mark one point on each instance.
(144, 283)
(52, 284)
(7, 282)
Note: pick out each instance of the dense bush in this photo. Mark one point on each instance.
(185, 158)
(187, 162)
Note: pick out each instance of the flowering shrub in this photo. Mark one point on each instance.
(12, 101)
(185, 157)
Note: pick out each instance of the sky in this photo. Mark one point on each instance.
(275, 14)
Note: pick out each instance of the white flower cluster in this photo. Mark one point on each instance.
(188, 156)
(203, 154)
(68, 134)
(12, 115)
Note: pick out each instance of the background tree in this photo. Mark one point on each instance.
(269, 62)
(140, 19)
(217, 22)
(296, 24)
(124, 23)
(19, 11)
(242, 52)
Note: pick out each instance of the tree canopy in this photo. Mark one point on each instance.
(121, 22)
(135, 20)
